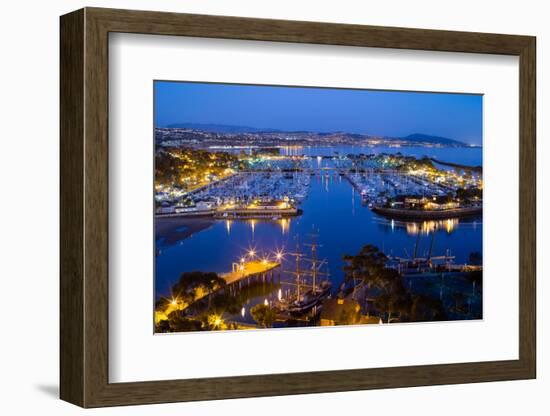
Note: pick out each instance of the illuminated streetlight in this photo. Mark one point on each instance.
(279, 254)
(215, 321)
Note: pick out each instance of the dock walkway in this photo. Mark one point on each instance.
(248, 269)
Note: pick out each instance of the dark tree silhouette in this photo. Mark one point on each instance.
(263, 315)
(475, 258)
(190, 281)
(384, 284)
(425, 308)
(179, 323)
(476, 277)
(366, 265)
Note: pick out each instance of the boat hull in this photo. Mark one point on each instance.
(428, 215)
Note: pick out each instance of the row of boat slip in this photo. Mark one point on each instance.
(387, 185)
(248, 187)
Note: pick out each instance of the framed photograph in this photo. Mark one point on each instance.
(263, 207)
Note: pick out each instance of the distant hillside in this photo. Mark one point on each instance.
(425, 138)
(227, 128)
(220, 128)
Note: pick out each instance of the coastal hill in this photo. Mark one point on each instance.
(425, 138)
(225, 129)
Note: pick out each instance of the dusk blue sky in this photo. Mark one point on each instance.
(385, 113)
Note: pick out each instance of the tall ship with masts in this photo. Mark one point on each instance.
(311, 281)
(418, 265)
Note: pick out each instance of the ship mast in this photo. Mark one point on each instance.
(316, 264)
(416, 245)
(314, 272)
(431, 246)
(313, 260)
(298, 272)
(298, 255)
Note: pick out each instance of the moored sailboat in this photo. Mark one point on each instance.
(310, 289)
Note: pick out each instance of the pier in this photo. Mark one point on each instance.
(256, 212)
(240, 271)
(244, 270)
(252, 211)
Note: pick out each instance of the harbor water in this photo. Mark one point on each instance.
(332, 210)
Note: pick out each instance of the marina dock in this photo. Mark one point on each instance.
(413, 214)
(256, 212)
(248, 269)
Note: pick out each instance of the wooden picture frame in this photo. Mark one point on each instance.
(84, 207)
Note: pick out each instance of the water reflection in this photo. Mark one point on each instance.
(285, 225)
(282, 223)
(427, 227)
(228, 224)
